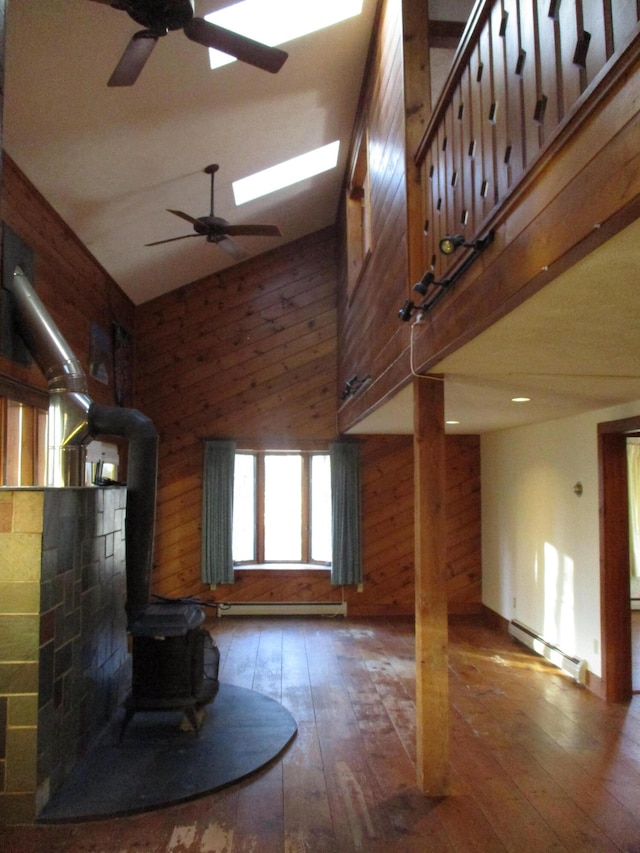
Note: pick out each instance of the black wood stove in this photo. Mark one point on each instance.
(175, 662)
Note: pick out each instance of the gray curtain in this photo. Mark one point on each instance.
(217, 512)
(346, 566)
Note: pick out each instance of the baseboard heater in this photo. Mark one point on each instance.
(575, 667)
(284, 608)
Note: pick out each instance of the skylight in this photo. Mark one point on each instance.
(287, 173)
(279, 21)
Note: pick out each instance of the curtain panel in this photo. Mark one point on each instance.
(346, 565)
(633, 468)
(217, 512)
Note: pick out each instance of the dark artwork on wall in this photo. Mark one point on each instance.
(14, 253)
(122, 364)
(100, 354)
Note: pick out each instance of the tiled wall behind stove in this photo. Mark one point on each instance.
(76, 665)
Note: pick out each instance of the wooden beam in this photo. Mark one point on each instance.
(432, 676)
(417, 100)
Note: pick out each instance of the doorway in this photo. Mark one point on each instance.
(633, 459)
(615, 604)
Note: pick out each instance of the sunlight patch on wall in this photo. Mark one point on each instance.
(559, 601)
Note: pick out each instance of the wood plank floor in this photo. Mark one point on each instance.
(537, 763)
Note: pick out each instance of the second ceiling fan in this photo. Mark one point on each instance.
(160, 16)
(218, 230)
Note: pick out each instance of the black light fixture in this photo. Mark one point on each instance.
(451, 242)
(406, 311)
(448, 245)
(353, 385)
(423, 285)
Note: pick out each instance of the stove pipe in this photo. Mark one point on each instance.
(68, 427)
(74, 419)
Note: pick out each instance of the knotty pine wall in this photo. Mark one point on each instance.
(74, 287)
(373, 341)
(249, 353)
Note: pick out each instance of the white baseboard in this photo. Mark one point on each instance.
(284, 608)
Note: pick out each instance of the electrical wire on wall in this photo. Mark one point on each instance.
(413, 370)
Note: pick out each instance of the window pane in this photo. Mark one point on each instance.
(282, 507)
(321, 508)
(41, 448)
(13, 458)
(244, 509)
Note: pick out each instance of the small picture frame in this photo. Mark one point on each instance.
(122, 365)
(100, 354)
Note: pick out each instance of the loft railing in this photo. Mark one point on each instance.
(520, 79)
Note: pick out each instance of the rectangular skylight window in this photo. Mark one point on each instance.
(287, 173)
(279, 21)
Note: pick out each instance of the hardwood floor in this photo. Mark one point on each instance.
(537, 763)
(635, 651)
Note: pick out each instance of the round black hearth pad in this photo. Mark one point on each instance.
(156, 764)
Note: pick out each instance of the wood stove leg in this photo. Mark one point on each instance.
(194, 719)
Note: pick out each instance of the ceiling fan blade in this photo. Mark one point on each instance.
(243, 48)
(173, 239)
(232, 248)
(183, 215)
(253, 230)
(133, 59)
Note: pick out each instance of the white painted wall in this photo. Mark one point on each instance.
(540, 542)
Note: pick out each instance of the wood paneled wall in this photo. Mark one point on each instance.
(372, 339)
(463, 525)
(249, 353)
(75, 289)
(388, 525)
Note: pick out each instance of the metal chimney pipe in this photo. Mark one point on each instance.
(74, 418)
(69, 402)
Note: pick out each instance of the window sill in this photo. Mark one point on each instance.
(282, 567)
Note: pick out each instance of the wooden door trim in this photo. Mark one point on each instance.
(615, 612)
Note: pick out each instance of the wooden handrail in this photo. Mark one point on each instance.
(520, 79)
(460, 61)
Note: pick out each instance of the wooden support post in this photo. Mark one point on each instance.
(432, 677)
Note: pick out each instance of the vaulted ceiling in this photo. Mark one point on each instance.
(112, 160)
